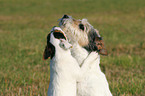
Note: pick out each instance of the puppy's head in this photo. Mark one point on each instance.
(83, 33)
(55, 39)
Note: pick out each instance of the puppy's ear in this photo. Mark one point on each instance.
(47, 52)
(48, 49)
(100, 46)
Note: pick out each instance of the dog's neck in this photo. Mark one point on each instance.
(79, 53)
(59, 52)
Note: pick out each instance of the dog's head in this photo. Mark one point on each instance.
(56, 38)
(83, 33)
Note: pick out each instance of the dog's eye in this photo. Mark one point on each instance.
(81, 26)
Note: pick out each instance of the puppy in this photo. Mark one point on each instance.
(86, 39)
(64, 69)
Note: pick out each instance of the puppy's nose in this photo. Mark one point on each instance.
(65, 16)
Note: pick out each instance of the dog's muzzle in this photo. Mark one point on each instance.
(63, 19)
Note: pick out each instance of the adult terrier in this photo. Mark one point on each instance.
(86, 39)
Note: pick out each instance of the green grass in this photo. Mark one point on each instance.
(24, 25)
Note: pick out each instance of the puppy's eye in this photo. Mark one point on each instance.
(81, 26)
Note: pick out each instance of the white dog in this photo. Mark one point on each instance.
(64, 69)
(86, 39)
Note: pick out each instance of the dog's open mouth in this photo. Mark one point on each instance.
(59, 35)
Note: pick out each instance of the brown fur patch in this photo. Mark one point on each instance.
(100, 46)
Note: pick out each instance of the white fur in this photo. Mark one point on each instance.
(65, 71)
(94, 82)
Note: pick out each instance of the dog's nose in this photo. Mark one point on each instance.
(65, 16)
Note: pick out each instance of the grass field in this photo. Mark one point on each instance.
(24, 25)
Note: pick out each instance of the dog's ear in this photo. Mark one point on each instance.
(47, 52)
(100, 46)
(48, 49)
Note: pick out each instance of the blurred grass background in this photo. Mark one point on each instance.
(24, 25)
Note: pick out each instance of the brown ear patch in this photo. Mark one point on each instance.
(100, 46)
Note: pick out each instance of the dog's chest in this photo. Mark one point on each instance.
(64, 64)
(79, 53)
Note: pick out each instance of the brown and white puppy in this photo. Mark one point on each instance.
(86, 39)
